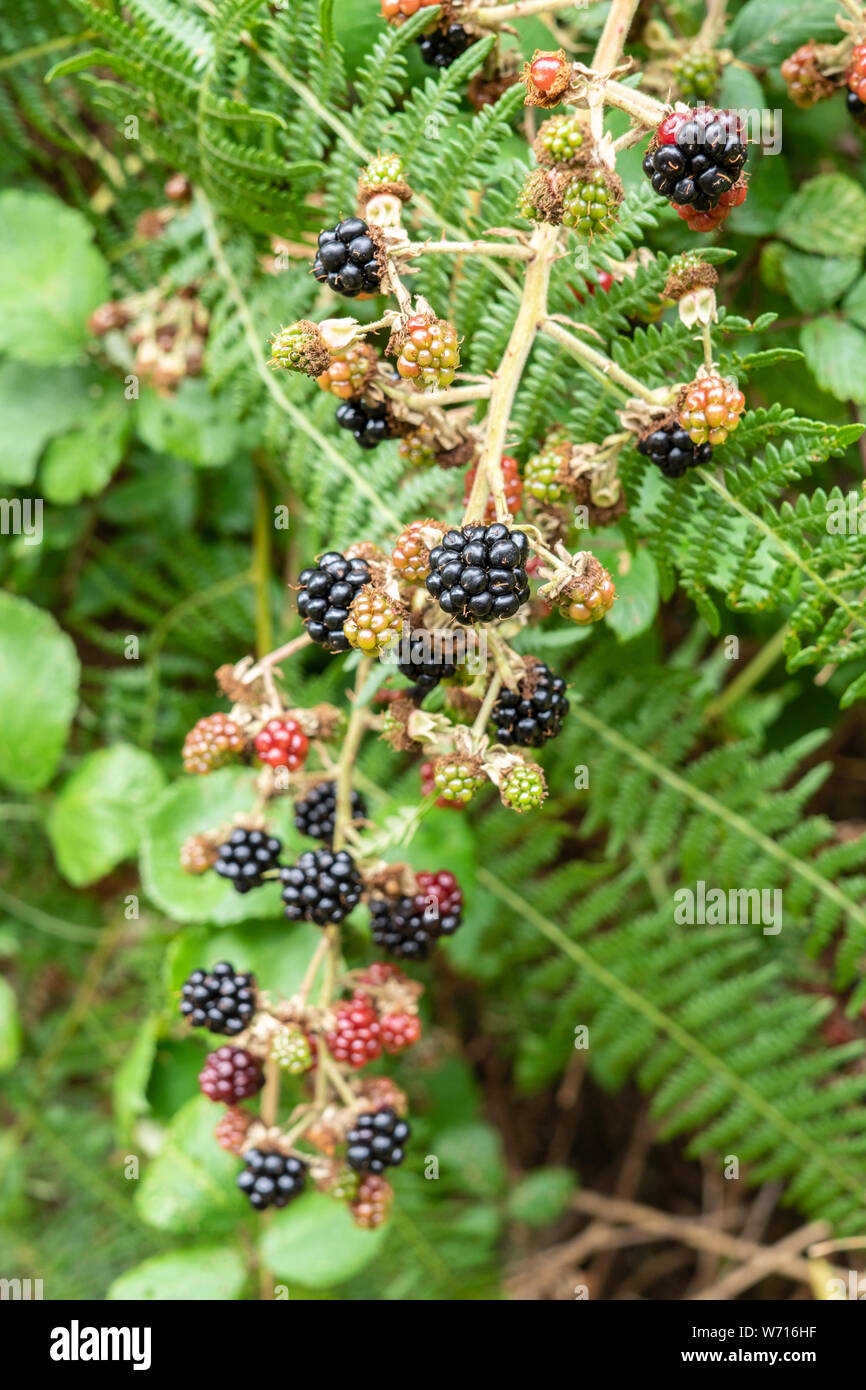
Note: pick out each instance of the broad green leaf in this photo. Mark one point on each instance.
(835, 351)
(36, 404)
(855, 303)
(80, 463)
(10, 1027)
(131, 1077)
(542, 1197)
(96, 820)
(193, 424)
(470, 1159)
(637, 594)
(190, 1185)
(826, 216)
(188, 807)
(210, 1273)
(38, 693)
(315, 1243)
(816, 282)
(52, 277)
(770, 187)
(766, 31)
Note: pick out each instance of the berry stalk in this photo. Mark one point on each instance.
(596, 362)
(493, 17)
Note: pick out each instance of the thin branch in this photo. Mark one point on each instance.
(597, 364)
(505, 250)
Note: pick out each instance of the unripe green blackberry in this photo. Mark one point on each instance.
(345, 1186)
(375, 620)
(300, 348)
(697, 77)
(385, 168)
(523, 787)
(419, 449)
(290, 1049)
(590, 205)
(541, 476)
(559, 139)
(456, 779)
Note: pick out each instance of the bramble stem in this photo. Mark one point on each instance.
(506, 250)
(532, 311)
(348, 754)
(489, 17)
(760, 664)
(614, 34)
(487, 704)
(599, 365)
(274, 658)
(420, 400)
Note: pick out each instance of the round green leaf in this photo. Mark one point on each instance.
(835, 350)
(212, 1273)
(541, 1197)
(191, 1182)
(10, 1027)
(188, 807)
(96, 820)
(826, 216)
(129, 1086)
(637, 594)
(315, 1243)
(38, 693)
(52, 277)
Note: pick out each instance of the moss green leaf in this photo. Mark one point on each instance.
(96, 820)
(38, 693)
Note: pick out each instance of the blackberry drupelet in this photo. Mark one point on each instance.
(315, 812)
(479, 573)
(442, 47)
(376, 1141)
(231, 1074)
(407, 927)
(347, 259)
(422, 666)
(271, 1179)
(533, 713)
(698, 158)
(322, 887)
(672, 450)
(325, 593)
(368, 421)
(221, 1000)
(246, 856)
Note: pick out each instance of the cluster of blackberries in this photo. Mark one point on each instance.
(221, 1000)
(421, 667)
(347, 259)
(376, 1141)
(698, 157)
(673, 450)
(322, 887)
(407, 927)
(368, 421)
(325, 593)
(441, 47)
(315, 812)
(479, 573)
(533, 713)
(271, 1179)
(246, 856)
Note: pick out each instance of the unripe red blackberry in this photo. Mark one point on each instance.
(372, 1202)
(282, 743)
(802, 75)
(399, 1031)
(231, 1129)
(270, 1178)
(411, 554)
(429, 352)
(710, 221)
(348, 372)
(231, 1074)
(395, 11)
(376, 1141)
(855, 78)
(512, 481)
(523, 787)
(712, 409)
(290, 1049)
(221, 999)
(590, 205)
(590, 597)
(211, 743)
(357, 1037)
(374, 621)
(546, 77)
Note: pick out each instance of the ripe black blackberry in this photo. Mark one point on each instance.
(479, 573)
(246, 856)
(376, 1141)
(221, 999)
(315, 812)
(322, 887)
(407, 927)
(534, 712)
(441, 47)
(325, 593)
(368, 421)
(856, 107)
(271, 1179)
(672, 450)
(347, 259)
(698, 157)
(421, 667)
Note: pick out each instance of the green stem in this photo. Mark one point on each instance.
(743, 683)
